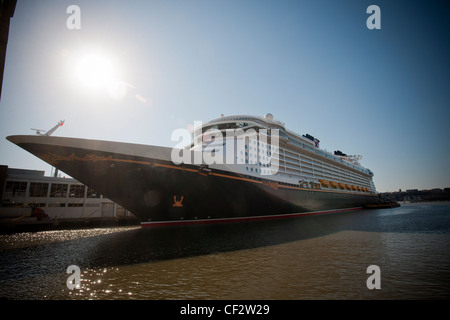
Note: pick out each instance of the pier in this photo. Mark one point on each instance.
(32, 201)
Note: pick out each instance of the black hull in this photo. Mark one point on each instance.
(156, 190)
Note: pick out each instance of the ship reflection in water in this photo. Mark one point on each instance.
(320, 257)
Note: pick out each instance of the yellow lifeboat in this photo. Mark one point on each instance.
(353, 188)
(324, 183)
(348, 187)
(333, 184)
(341, 185)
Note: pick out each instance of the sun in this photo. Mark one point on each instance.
(95, 70)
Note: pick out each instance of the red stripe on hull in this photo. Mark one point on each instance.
(242, 219)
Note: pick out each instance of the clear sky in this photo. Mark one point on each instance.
(383, 94)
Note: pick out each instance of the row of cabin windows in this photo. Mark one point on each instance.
(259, 170)
(50, 205)
(40, 189)
(277, 182)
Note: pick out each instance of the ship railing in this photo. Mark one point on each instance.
(247, 118)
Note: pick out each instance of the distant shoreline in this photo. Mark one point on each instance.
(426, 202)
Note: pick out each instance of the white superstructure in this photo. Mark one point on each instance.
(298, 159)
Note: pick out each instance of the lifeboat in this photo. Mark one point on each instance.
(341, 185)
(348, 187)
(324, 183)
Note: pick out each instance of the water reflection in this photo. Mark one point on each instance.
(323, 257)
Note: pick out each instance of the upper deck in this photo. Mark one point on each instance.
(290, 138)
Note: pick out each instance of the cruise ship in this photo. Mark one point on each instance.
(233, 168)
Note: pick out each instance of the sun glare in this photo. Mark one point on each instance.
(95, 70)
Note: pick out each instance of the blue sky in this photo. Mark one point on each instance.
(314, 65)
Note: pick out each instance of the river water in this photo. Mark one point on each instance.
(314, 257)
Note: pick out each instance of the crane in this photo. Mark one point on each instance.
(39, 132)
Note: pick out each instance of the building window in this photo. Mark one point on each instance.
(15, 189)
(38, 189)
(76, 191)
(91, 193)
(92, 205)
(58, 190)
(11, 204)
(56, 204)
(37, 205)
(75, 205)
